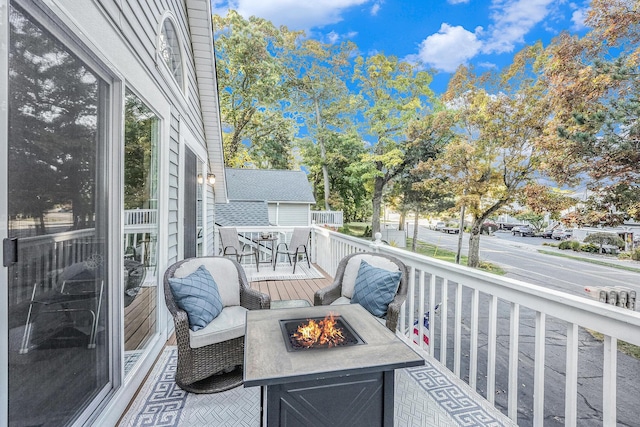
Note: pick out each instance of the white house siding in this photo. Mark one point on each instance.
(172, 226)
(210, 237)
(289, 214)
(123, 35)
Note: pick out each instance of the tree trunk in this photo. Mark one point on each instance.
(416, 218)
(403, 218)
(323, 156)
(474, 243)
(378, 185)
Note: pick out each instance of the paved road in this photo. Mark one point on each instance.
(519, 256)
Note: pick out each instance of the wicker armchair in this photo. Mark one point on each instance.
(346, 275)
(210, 363)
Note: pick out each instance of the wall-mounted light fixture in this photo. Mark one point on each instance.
(211, 179)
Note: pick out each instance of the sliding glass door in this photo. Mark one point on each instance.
(140, 228)
(56, 251)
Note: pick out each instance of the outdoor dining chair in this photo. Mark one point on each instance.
(231, 245)
(296, 247)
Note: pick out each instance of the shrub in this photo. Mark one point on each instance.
(575, 245)
(624, 255)
(601, 239)
(590, 247)
(635, 255)
(565, 245)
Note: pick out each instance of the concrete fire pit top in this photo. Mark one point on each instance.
(267, 361)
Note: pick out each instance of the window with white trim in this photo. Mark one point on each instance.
(169, 49)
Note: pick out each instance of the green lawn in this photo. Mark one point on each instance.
(362, 229)
(433, 251)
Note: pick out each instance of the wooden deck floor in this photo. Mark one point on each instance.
(292, 289)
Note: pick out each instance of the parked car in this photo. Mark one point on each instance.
(562, 233)
(522, 230)
(547, 234)
(440, 225)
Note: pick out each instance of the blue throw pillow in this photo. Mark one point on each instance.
(198, 295)
(375, 288)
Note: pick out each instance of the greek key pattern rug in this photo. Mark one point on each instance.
(424, 396)
(456, 398)
(161, 402)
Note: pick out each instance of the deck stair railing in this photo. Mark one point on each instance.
(498, 333)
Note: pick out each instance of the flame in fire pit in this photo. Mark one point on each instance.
(324, 332)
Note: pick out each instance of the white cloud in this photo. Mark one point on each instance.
(490, 65)
(457, 1)
(375, 9)
(333, 37)
(295, 14)
(513, 19)
(577, 18)
(449, 47)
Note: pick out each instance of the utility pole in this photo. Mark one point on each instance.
(460, 234)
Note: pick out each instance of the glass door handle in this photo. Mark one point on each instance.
(9, 251)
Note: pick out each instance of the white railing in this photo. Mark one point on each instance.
(140, 217)
(327, 218)
(493, 332)
(40, 258)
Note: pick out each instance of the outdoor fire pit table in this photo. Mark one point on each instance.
(342, 385)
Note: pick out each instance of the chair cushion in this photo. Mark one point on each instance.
(341, 301)
(375, 288)
(198, 295)
(227, 326)
(223, 271)
(353, 266)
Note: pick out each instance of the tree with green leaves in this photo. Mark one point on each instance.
(317, 77)
(52, 134)
(593, 87)
(348, 190)
(253, 90)
(499, 120)
(419, 189)
(395, 93)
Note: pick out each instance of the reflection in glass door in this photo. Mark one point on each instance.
(140, 227)
(58, 307)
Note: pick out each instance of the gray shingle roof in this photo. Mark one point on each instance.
(270, 185)
(242, 214)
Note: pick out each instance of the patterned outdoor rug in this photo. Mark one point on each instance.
(161, 402)
(283, 271)
(425, 396)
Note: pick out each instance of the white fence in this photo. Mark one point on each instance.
(327, 218)
(509, 324)
(140, 217)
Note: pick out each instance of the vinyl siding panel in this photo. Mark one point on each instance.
(174, 182)
(210, 237)
(289, 214)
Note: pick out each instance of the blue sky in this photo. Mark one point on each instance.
(441, 34)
